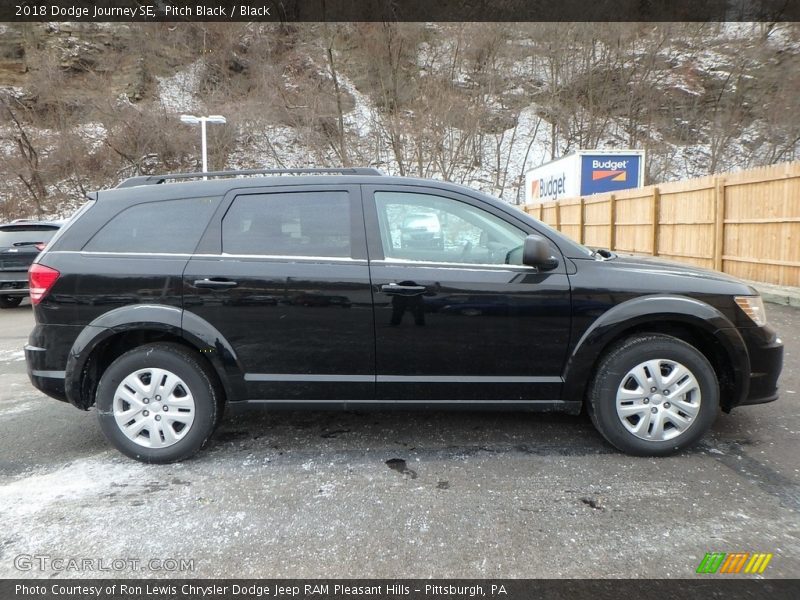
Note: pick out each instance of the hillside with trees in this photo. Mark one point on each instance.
(83, 106)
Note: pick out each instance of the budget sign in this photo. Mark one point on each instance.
(607, 173)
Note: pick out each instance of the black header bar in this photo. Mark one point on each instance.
(399, 10)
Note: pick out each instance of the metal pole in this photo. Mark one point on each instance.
(205, 152)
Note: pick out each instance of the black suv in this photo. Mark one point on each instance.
(20, 242)
(165, 299)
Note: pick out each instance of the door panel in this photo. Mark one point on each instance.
(478, 329)
(290, 291)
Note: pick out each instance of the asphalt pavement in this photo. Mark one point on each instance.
(392, 494)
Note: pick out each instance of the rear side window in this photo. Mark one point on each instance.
(289, 224)
(173, 226)
(25, 235)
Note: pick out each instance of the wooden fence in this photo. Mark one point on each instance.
(745, 223)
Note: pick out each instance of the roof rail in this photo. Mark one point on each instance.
(156, 179)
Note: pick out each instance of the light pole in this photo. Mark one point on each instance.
(192, 120)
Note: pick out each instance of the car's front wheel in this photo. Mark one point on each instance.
(653, 395)
(158, 403)
(10, 301)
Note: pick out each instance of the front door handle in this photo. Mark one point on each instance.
(215, 284)
(403, 290)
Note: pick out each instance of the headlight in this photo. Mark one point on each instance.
(753, 307)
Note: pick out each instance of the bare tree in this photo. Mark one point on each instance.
(342, 146)
(28, 167)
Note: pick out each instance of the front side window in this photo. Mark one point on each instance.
(171, 227)
(288, 224)
(428, 228)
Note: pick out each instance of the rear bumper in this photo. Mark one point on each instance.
(46, 358)
(14, 285)
(46, 381)
(766, 362)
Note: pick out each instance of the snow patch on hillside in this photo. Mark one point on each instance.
(361, 118)
(94, 134)
(177, 93)
(263, 146)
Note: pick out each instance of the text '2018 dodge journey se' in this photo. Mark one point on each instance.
(165, 299)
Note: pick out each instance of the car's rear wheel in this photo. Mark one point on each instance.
(158, 403)
(653, 395)
(10, 301)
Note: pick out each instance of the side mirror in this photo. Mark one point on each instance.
(536, 253)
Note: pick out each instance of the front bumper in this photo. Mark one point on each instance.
(766, 362)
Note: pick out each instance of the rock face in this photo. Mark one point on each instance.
(74, 48)
(12, 57)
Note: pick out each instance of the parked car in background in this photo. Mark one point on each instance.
(20, 242)
(164, 300)
(422, 230)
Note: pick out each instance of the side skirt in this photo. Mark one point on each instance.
(562, 406)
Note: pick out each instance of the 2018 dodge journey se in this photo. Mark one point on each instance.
(167, 298)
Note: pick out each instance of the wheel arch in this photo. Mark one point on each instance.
(693, 321)
(125, 328)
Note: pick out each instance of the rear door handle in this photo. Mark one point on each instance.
(215, 284)
(403, 290)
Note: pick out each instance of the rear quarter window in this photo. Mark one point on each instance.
(171, 226)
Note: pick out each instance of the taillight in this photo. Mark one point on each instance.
(40, 280)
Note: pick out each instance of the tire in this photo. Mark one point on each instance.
(10, 301)
(191, 395)
(626, 411)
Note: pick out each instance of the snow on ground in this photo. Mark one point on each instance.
(54, 501)
(12, 355)
(18, 408)
(75, 483)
